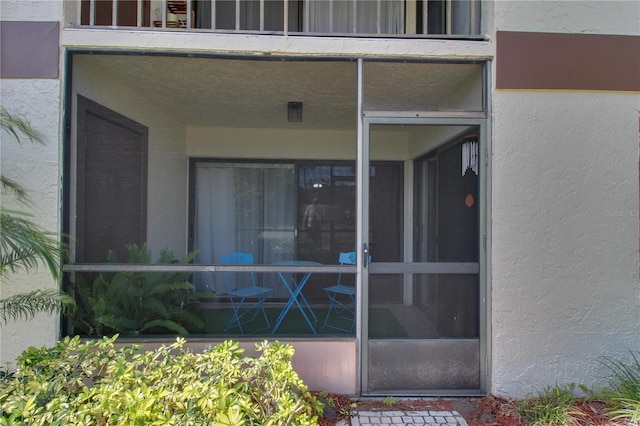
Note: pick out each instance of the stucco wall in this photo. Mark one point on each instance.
(36, 167)
(27, 10)
(564, 216)
(565, 237)
(564, 16)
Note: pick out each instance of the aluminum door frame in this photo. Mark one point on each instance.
(366, 120)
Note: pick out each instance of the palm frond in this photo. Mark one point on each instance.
(11, 187)
(23, 245)
(17, 126)
(27, 305)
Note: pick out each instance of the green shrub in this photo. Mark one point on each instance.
(92, 383)
(132, 303)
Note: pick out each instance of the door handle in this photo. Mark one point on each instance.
(366, 255)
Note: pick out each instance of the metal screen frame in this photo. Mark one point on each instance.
(426, 118)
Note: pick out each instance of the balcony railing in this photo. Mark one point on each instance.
(398, 18)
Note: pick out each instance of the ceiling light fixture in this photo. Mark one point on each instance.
(294, 112)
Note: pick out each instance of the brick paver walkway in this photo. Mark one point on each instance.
(404, 418)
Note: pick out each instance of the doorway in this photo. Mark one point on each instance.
(430, 294)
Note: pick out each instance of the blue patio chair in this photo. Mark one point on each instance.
(248, 301)
(342, 298)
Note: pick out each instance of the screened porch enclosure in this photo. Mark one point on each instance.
(227, 172)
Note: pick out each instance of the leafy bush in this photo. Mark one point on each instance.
(130, 303)
(92, 383)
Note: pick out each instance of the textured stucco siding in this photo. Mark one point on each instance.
(27, 10)
(568, 16)
(565, 237)
(37, 168)
(564, 215)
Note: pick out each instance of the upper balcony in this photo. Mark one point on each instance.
(449, 19)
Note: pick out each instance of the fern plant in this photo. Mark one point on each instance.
(132, 303)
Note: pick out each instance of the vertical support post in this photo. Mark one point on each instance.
(407, 279)
(285, 27)
(164, 13)
(114, 13)
(261, 15)
(449, 15)
(330, 16)
(362, 229)
(189, 14)
(213, 14)
(403, 16)
(92, 12)
(411, 18)
(425, 17)
(354, 4)
(237, 15)
(475, 17)
(307, 12)
(139, 14)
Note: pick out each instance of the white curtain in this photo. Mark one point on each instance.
(366, 16)
(243, 207)
(461, 16)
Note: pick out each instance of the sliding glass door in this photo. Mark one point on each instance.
(242, 207)
(298, 211)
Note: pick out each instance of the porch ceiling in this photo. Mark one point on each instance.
(215, 92)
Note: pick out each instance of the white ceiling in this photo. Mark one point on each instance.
(205, 91)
